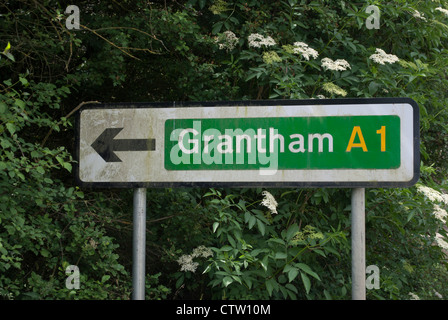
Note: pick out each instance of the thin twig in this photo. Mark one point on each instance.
(66, 117)
(109, 42)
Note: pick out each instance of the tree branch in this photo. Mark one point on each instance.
(67, 116)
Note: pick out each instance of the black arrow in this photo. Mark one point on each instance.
(105, 144)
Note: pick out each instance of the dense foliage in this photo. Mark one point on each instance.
(214, 243)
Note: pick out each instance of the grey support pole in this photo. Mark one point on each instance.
(358, 244)
(139, 244)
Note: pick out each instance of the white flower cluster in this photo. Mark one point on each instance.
(202, 252)
(269, 202)
(338, 65)
(414, 296)
(256, 40)
(418, 15)
(305, 50)
(381, 57)
(440, 213)
(435, 196)
(444, 11)
(432, 194)
(441, 242)
(187, 264)
(228, 41)
(186, 261)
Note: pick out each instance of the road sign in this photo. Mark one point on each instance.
(277, 143)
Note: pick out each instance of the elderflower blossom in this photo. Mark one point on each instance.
(444, 11)
(218, 7)
(269, 202)
(432, 194)
(186, 261)
(228, 41)
(270, 57)
(414, 296)
(338, 65)
(381, 57)
(418, 15)
(441, 242)
(202, 252)
(440, 213)
(256, 40)
(305, 50)
(187, 264)
(332, 88)
(308, 233)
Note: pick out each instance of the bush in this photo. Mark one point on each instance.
(249, 247)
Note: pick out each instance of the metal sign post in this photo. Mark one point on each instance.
(358, 244)
(139, 244)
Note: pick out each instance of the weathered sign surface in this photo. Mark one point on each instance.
(287, 143)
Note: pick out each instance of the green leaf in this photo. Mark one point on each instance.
(45, 253)
(247, 216)
(20, 103)
(226, 281)
(277, 240)
(10, 56)
(373, 87)
(291, 288)
(292, 274)
(11, 127)
(23, 81)
(307, 269)
(271, 284)
(60, 160)
(3, 108)
(5, 143)
(237, 279)
(8, 47)
(217, 27)
(248, 282)
(180, 281)
(202, 3)
(306, 282)
(410, 215)
(331, 250)
(40, 170)
(252, 221)
(292, 230)
(207, 269)
(264, 263)
(35, 154)
(231, 241)
(215, 226)
(67, 166)
(280, 255)
(261, 227)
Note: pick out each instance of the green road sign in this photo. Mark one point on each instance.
(343, 142)
(349, 142)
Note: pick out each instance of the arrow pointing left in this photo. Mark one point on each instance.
(105, 144)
